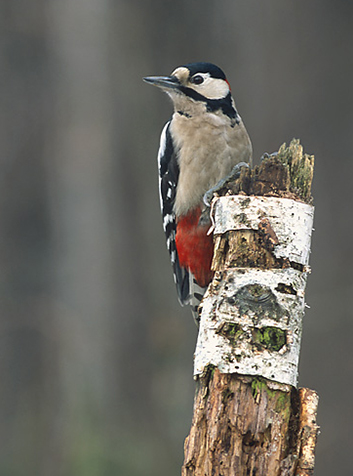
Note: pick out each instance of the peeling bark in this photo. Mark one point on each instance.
(248, 424)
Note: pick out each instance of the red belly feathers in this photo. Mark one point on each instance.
(195, 248)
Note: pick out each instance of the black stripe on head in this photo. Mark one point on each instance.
(212, 105)
(201, 67)
(225, 105)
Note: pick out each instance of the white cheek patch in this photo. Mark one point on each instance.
(211, 88)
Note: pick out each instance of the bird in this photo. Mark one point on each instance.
(204, 144)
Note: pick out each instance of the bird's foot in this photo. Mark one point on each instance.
(266, 155)
(235, 173)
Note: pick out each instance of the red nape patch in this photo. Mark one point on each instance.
(195, 248)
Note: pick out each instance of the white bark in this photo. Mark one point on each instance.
(251, 319)
(291, 221)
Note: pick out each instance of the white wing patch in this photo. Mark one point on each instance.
(166, 220)
(161, 152)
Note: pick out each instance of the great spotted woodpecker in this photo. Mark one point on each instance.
(201, 144)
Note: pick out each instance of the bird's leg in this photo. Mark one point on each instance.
(235, 173)
(205, 219)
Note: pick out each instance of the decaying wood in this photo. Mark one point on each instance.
(308, 431)
(245, 425)
(236, 422)
(288, 174)
(244, 249)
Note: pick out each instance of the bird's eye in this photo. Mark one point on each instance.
(198, 79)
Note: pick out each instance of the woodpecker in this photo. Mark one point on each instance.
(203, 143)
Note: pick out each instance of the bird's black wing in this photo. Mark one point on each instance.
(168, 180)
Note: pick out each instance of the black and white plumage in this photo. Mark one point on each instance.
(199, 146)
(168, 179)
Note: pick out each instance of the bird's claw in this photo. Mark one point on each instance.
(235, 173)
(266, 155)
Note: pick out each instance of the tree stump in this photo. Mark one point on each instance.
(249, 418)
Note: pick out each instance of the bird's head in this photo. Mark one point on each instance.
(196, 83)
(204, 79)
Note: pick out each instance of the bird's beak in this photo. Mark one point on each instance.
(164, 82)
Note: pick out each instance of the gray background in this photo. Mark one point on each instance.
(95, 352)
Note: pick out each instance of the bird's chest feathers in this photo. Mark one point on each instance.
(205, 154)
(199, 138)
(188, 129)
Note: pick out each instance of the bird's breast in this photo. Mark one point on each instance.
(207, 147)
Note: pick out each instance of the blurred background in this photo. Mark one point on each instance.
(95, 352)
